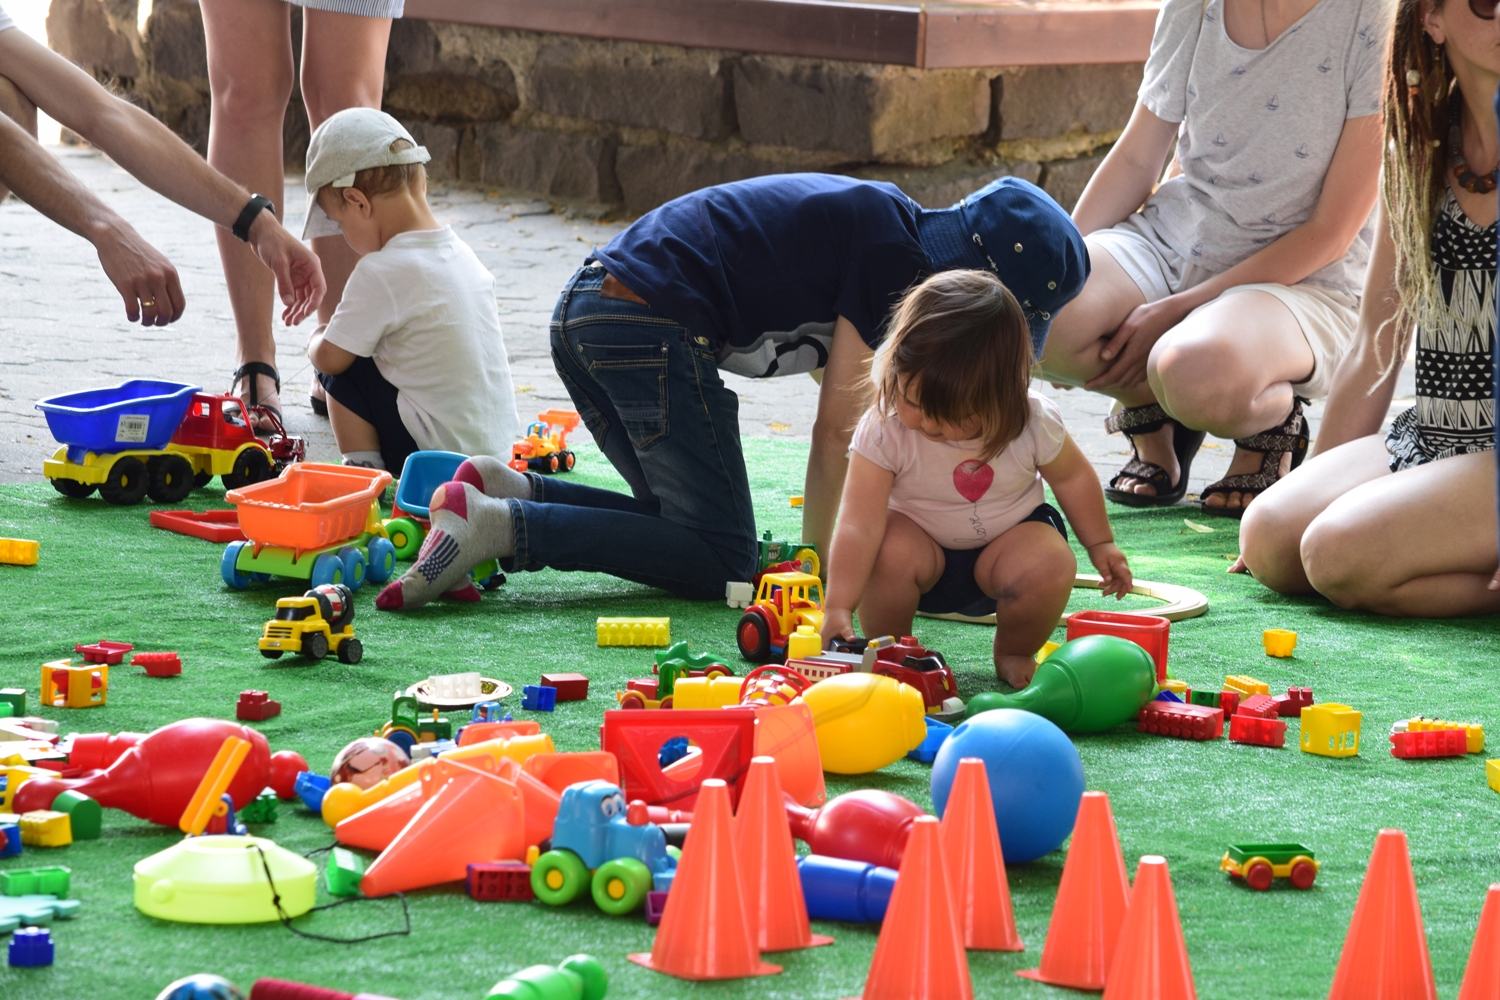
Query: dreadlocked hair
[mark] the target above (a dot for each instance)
(960, 347)
(1419, 91)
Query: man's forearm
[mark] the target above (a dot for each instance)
(42, 182)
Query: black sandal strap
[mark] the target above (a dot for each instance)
(1145, 471)
(1137, 420)
(251, 369)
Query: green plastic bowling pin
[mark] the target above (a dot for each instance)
(1086, 686)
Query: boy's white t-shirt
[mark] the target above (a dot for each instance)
(941, 485)
(423, 307)
(5, 20)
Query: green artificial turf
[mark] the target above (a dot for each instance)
(105, 573)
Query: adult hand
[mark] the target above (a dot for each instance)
(1131, 345)
(299, 275)
(144, 277)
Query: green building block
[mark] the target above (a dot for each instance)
(345, 869)
(1209, 698)
(261, 809)
(84, 815)
(52, 880)
(15, 699)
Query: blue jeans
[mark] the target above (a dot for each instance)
(650, 392)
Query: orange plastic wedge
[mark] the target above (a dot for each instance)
(920, 952)
(976, 868)
(374, 827)
(1385, 953)
(1482, 977)
(768, 862)
(1151, 960)
(1091, 902)
(540, 800)
(703, 932)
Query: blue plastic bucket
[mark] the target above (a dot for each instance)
(141, 414)
(422, 474)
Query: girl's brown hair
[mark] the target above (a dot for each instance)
(959, 347)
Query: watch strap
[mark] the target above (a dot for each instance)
(257, 204)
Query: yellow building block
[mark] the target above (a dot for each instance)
(1473, 731)
(1246, 685)
(1048, 648)
(1492, 772)
(67, 686)
(45, 828)
(1177, 687)
(1330, 730)
(635, 631)
(19, 551)
(803, 643)
(14, 777)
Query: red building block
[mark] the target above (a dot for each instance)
(1256, 730)
(1291, 704)
(644, 685)
(104, 651)
(499, 881)
(158, 664)
(256, 706)
(570, 687)
(1229, 703)
(1430, 743)
(1188, 722)
(1262, 706)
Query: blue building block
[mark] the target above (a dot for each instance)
(1168, 696)
(538, 698)
(851, 891)
(487, 711)
(10, 840)
(937, 734)
(672, 751)
(310, 788)
(31, 947)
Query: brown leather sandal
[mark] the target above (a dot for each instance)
(1291, 437)
(1133, 420)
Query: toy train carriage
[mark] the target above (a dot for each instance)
(1259, 864)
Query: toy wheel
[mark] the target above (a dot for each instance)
(72, 488)
(382, 561)
(666, 702)
(553, 464)
(171, 478)
(568, 460)
(1258, 874)
(354, 567)
(406, 536)
(327, 568)
(350, 651)
(1304, 872)
(126, 482)
(250, 466)
(620, 886)
(202, 479)
(717, 670)
(229, 568)
(632, 699)
(809, 561)
(558, 877)
(754, 637)
(271, 654)
(314, 646)
(403, 738)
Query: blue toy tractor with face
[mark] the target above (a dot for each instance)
(596, 847)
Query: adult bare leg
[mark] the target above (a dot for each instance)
(1419, 543)
(1228, 369)
(1271, 532)
(1029, 571)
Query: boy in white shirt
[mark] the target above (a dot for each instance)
(413, 359)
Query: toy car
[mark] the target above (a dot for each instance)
(407, 728)
(545, 446)
(600, 844)
(909, 662)
(1258, 864)
(774, 554)
(315, 623)
(782, 602)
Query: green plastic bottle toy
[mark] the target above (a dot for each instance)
(1086, 686)
(578, 977)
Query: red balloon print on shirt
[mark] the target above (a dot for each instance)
(973, 479)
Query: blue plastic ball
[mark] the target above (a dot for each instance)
(201, 987)
(1035, 773)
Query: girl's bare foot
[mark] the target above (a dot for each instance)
(1015, 670)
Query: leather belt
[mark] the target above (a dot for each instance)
(614, 288)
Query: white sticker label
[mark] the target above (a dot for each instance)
(132, 428)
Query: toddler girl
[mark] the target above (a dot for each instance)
(943, 509)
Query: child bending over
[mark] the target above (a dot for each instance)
(413, 357)
(943, 508)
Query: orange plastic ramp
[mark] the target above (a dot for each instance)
(559, 770)
(540, 802)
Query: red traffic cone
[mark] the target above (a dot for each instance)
(1151, 961)
(920, 952)
(1385, 953)
(976, 868)
(1091, 902)
(763, 846)
(1482, 977)
(703, 932)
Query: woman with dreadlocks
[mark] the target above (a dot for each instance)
(1403, 523)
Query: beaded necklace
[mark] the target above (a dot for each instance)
(1467, 179)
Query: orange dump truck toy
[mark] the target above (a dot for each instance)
(545, 446)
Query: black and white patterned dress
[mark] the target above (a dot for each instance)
(1455, 411)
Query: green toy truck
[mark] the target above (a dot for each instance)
(1259, 864)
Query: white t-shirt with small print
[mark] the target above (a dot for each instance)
(6, 21)
(960, 502)
(1259, 126)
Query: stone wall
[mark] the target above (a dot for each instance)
(633, 124)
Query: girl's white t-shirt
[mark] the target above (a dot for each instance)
(5, 20)
(959, 501)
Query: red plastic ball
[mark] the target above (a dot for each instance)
(285, 766)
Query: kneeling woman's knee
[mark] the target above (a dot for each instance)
(1340, 562)
(1270, 544)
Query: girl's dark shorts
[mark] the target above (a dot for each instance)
(956, 590)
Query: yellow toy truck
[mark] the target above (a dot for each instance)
(320, 620)
(782, 602)
(545, 446)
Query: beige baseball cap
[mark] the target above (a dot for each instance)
(352, 140)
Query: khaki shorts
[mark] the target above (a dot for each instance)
(1327, 317)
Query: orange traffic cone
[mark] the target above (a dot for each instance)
(976, 868)
(374, 827)
(472, 816)
(1482, 977)
(1151, 961)
(703, 932)
(920, 952)
(540, 799)
(1385, 953)
(763, 846)
(1091, 902)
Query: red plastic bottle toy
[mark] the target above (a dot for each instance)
(868, 825)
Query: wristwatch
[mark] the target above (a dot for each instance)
(257, 204)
